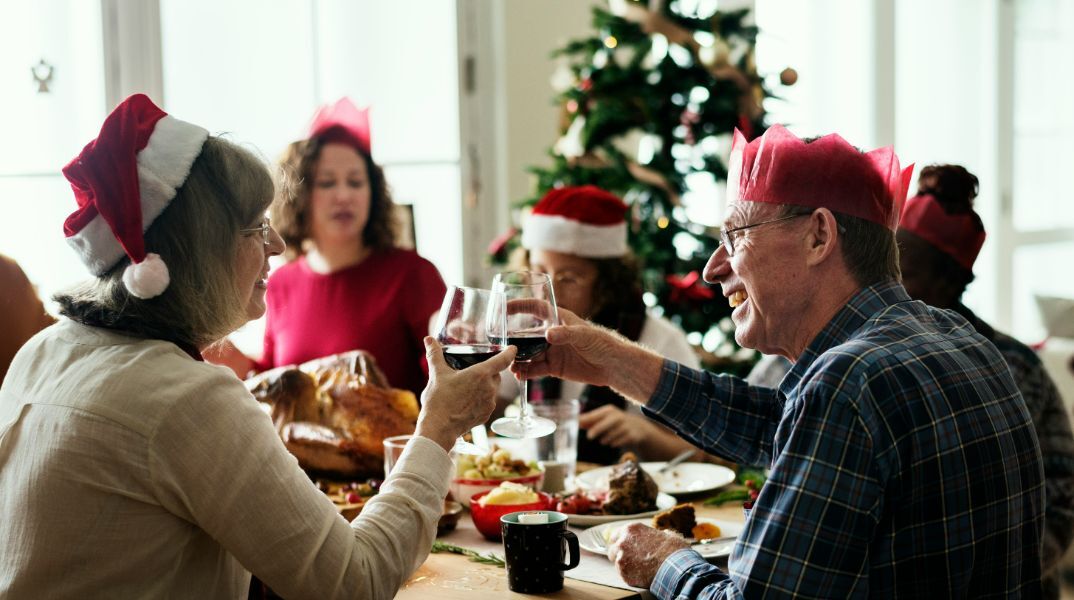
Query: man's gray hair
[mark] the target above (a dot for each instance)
(869, 249)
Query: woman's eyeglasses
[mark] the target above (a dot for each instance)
(264, 229)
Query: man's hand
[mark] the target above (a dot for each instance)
(613, 426)
(638, 551)
(454, 401)
(577, 350)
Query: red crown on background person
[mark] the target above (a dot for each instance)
(958, 235)
(345, 123)
(123, 181)
(780, 168)
(581, 220)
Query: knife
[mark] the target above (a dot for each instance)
(675, 461)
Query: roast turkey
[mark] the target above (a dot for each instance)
(334, 413)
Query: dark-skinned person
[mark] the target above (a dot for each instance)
(939, 238)
(903, 462)
(130, 468)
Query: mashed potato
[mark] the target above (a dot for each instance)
(509, 493)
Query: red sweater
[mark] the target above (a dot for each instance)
(381, 305)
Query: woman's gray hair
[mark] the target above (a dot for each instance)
(197, 235)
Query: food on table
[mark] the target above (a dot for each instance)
(334, 414)
(679, 518)
(630, 489)
(349, 497)
(509, 493)
(706, 531)
(497, 464)
(581, 502)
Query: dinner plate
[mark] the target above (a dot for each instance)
(663, 502)
(595, 539)
(687, 478)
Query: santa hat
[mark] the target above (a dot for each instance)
(828, 172)
(959, 235)
(344, 123)
(584, 221)
(123, 181)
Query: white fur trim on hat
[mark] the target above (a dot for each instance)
(147, 279)
(559, 234)
(163, 166)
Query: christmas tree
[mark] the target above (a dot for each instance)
(649, 105)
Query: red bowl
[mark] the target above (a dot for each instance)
(487, 518)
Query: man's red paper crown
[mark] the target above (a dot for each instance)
(345, 123)
(828, 172)
(581, 220)
(960, 236)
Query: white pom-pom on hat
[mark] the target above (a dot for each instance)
(147, 279)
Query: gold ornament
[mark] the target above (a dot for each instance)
(788, 76)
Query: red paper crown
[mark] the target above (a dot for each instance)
(780, 168)
(345, 123)
(585, 221)
(957, 235)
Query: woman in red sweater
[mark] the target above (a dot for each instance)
(347, 285)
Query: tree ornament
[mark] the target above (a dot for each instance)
(788, 76)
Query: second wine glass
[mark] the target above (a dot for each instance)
(471, 327)
(531, 310)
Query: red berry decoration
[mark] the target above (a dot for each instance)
(353, 498)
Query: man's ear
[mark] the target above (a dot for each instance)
(822, 237)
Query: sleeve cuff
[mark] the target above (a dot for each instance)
(659, 402)
(676, 567)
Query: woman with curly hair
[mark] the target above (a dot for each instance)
(347, 286)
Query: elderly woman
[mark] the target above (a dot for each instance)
(347, 285)
(129, 468)
(578, 236)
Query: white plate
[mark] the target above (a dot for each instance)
(663, 502)
(596, 538)
(687, 478)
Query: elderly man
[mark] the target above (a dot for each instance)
(903, 462)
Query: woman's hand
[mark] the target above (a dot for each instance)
(454, 401)
(613, 426)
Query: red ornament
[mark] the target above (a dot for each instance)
(585, 84)
(689, 288)
(572, 106)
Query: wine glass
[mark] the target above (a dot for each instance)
(531, 311)
(471, 327)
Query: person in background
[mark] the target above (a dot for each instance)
(347, 285)
(21, 312)
(903, 462)
(578, 236)
(129, 468)
(939, 238)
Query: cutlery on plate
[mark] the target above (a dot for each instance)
(675, 461)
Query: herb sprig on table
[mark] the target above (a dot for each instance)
(752, 479)
(486, 559)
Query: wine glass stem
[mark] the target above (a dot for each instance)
(524, 401)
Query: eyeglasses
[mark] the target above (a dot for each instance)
(728, 241)
(263, 229)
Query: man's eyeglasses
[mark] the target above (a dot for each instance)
(728, 241)
(263, 229)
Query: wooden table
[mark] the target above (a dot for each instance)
(450, 576)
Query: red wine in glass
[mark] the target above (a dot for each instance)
(529, 346)
(460, 356)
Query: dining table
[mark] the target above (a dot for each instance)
(453, 576)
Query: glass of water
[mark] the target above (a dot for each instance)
(558, 451)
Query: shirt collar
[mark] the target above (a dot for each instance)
(859, 309)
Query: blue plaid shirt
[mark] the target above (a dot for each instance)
(904, 463)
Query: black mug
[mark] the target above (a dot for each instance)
(535, 552)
